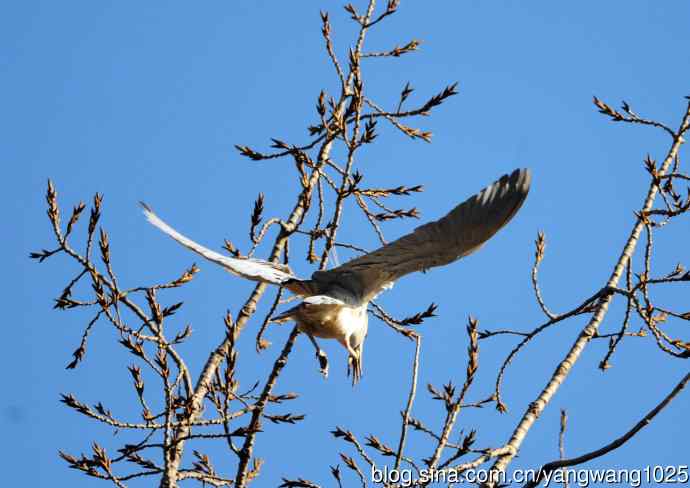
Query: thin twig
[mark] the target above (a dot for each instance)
(410, 401)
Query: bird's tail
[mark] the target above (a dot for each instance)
(285, 316)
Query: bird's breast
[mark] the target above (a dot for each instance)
(332, 321)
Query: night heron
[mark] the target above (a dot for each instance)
(335, 300)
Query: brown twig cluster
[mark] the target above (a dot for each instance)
(664, 181)
(215, 407)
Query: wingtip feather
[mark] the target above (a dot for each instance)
(154, 219)
(523, 179)
(145, 207)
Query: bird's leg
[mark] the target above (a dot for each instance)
(360, 358)
(354, 363)
(320, 355)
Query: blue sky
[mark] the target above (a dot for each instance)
(144, 101)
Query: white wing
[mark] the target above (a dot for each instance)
(252, 269)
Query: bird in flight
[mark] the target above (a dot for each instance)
(335, 301)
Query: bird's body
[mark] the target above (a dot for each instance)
(340, 322)
(336, 300)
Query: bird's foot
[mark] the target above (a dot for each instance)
(323, 362)
(354, 368)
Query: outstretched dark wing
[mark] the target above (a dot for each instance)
(461, 232)
(252, 269)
